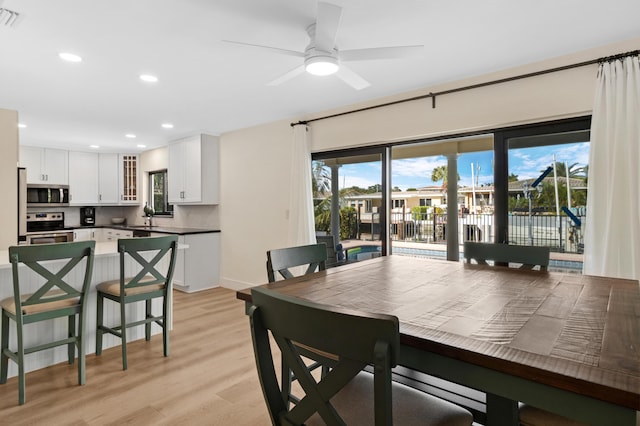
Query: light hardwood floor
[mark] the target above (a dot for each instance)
(209, 378)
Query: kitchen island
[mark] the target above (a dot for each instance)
(106, 267)
(197, 268)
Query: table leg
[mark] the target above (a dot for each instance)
(501, 411)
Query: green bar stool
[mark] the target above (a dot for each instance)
(54, 297)
(146, 281)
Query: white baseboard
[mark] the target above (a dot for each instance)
(235, 284)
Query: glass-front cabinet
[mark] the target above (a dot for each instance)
(128, 175)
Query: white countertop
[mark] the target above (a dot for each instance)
(107, 248)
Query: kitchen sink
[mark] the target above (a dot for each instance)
(140, 233)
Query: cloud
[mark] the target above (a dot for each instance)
(362, 175)
(528, 163)
(417, 167)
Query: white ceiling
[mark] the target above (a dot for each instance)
(206, 85)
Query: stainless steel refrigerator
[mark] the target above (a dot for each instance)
(22, 205)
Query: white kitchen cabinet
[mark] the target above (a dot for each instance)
(102, 179)
(83, 178)
(128, 178)
(198, 266)
(45, 165)
(97, 234)
(83, 234)
(119, 179)
(194, 173)
(114, 234)
(108, 179)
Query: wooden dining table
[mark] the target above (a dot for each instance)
(564, 342)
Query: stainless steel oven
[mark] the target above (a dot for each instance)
(47, 228)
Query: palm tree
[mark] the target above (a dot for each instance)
(439, 173)
(575, 172)
(320, 179)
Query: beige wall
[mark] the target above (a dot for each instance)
(255, 175)
(256, 161)
(9, 176)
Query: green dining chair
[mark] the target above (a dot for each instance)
(346, 394)
(502, 254)
(144, 276)
(57, 286)
(282, 261)
(333, 255)
(529, 257)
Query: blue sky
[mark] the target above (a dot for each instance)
(416, 172)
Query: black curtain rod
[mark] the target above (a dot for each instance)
(433, 95)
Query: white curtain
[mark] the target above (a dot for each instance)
(612, 235)
(301, 219)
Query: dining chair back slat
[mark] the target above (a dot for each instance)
(280, 261)
(502, 254)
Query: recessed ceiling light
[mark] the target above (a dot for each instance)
(94, 146)
(70, 57)
(130, 136)
(149, 78)
(141, 146)
(167, 125)
(22, 126)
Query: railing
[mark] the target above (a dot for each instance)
(557, 232)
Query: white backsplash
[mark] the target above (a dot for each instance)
(183, 216)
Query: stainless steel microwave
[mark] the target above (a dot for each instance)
(42, 195)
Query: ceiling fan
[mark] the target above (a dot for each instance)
(322, 57)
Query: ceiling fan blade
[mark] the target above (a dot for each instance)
(327, 23)
(351, 78)
(287, 76)
(395, 52)
(274, 49)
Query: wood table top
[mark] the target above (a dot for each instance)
(575, 332)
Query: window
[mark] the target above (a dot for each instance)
(547, 187)
(350, 201)
(522, 185)
(368, 206)
(158, 199)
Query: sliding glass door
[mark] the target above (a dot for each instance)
(442, 195)
(350, 201)
(545, 193)
(525, 185)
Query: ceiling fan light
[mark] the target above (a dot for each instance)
(321, 65)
